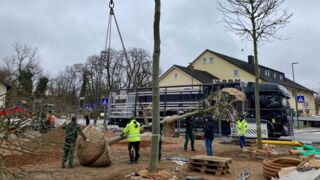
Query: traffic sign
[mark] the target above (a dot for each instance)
(95, 105)
(300, 99)
(87, 106)
(104, 101)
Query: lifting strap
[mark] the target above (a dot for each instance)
(107, 49)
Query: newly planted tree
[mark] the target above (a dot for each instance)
(258, 21)
(153, 166)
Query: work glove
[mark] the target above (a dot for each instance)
(122, 134)
(87, 140)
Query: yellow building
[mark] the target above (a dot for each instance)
(220, 66)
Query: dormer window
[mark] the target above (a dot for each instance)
(281, 77)
(275, 75)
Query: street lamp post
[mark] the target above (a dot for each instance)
(295, 95)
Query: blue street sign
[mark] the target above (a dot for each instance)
(104, 101)
(300, 99)
(87, 106)
(95, 105)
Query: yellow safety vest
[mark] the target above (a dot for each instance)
(133, 131)
(242, 127)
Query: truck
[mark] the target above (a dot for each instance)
(176, 100)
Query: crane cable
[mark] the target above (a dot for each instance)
(108, 39)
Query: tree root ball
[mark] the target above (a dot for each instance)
(169, 126)
(96, 152)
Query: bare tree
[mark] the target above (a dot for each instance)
(256, 20)
(22, 71)
(139, 70)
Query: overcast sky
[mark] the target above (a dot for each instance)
(68, 31)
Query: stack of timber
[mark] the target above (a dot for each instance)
(210, 164)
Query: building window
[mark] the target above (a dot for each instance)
(267, 72)
(204, 61)
(281, 77)
(275, 75)
(175, 75)
(292, 93)
(235, 72)
(211, 60)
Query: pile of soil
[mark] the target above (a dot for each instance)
(43, 157)
(54, 139)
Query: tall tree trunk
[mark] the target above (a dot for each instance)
(256, 93)
(153, 165)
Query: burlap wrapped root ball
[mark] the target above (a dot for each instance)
(169, 125)
(96, 152)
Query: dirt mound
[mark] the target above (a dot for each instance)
(54, 139)
(38, 157)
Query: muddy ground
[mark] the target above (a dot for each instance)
(47, 163)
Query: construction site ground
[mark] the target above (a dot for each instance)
(47, 162)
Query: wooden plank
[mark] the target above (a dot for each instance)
(212, 158)
(208, 162)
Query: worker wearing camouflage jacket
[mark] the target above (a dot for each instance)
(132, 131)
(72, 130)
(242, 130)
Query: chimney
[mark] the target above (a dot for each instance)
(250, 59)
(190, 67)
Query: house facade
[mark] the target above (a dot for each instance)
(224, 67)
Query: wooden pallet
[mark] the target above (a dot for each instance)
(210, 164)
(206, 170)
(211, 160)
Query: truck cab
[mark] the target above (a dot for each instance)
(274, 108)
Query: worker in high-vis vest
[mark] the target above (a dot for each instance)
(242, 130)
(132, 131)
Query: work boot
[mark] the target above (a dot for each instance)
(63, 166)
(70, 166)
(194, 150)
(131, 162)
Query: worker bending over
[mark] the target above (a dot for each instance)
(132, 131)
